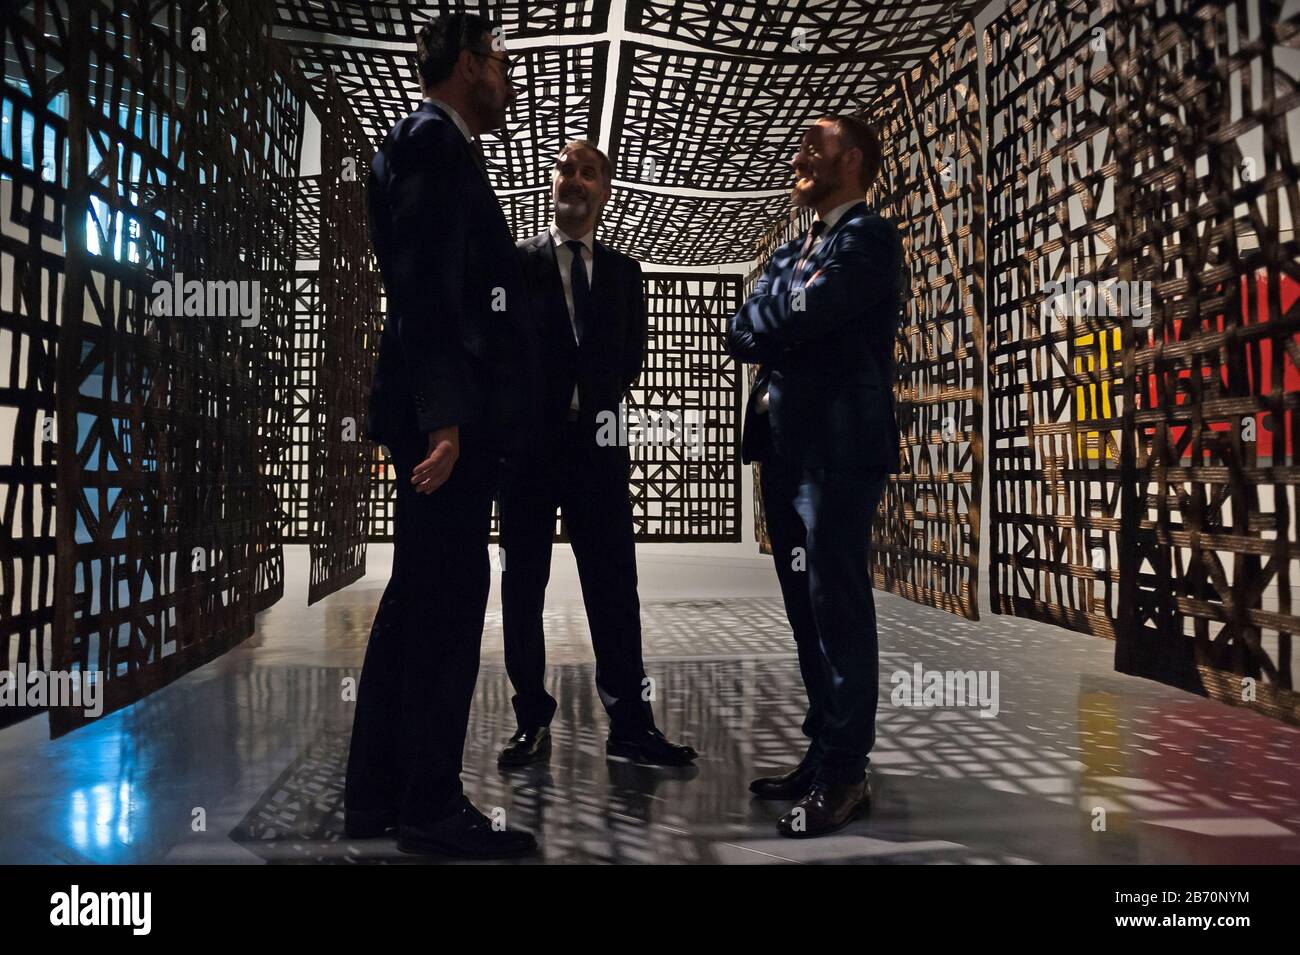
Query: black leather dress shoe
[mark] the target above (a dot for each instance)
(650, 747)
(526, 746)
(368, 825)
(788, 786)
(465, 834)
(825, 809)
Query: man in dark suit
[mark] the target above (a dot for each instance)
(820, 323)
(453, 389)
(589, 308)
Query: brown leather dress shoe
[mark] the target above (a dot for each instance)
(825, 809)
(788, 786)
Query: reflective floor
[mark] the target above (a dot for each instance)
(242, 761)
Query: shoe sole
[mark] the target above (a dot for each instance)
(854, 816)
(423, 848)
(634, 755)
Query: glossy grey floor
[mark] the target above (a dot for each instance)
(242, 761)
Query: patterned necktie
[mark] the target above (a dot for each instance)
(817, 229)
(580, 288)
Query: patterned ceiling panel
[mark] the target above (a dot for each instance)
(724, 122)
(398, 19)
(666, 229)
(557, 86)
(710, 97)
(893, 31)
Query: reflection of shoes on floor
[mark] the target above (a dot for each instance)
(788, 786)
(368, 825)
(526, 746)
(465, 834)
(651, 747)
(825, 809)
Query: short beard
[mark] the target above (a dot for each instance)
(564, 209)
(821, 188)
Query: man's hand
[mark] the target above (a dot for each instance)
(444, 448)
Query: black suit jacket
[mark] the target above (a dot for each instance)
(608, 360)
(827, 360)
(457, 345)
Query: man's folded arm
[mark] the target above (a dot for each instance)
(429, 228)
(741, 343)
(862, 276)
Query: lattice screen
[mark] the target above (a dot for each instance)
(683, 418)
(172, 428)
(351, 322)
(1054, 369)
(688, 489)
(925, 541)
(33, 103)
(1208, 214)
(308, 349)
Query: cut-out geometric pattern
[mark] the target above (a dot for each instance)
(666, 229)
(561, 90)
(895, 33)
(1054, 366)
(1210, 200)
(173, 421)
(351, 321)
(686, 477)
(926, 537)
(33, 157)
(402, 19)
(303, 395)
(725, 123)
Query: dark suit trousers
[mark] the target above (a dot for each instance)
(421, 664)
(819, 521)
(589, 485)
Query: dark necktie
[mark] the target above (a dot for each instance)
(817, 229)
(581, 289)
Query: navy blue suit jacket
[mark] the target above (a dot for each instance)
(828, 367)
(612, 351)
(457, 346)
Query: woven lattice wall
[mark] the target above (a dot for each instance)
(926, 538)
(172, 403)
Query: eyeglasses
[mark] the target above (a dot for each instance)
(507, 65)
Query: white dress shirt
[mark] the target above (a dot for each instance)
(455, 117)
(564, 261)
(832, 217)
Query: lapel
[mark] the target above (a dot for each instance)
(820, 253)
(603, 284)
